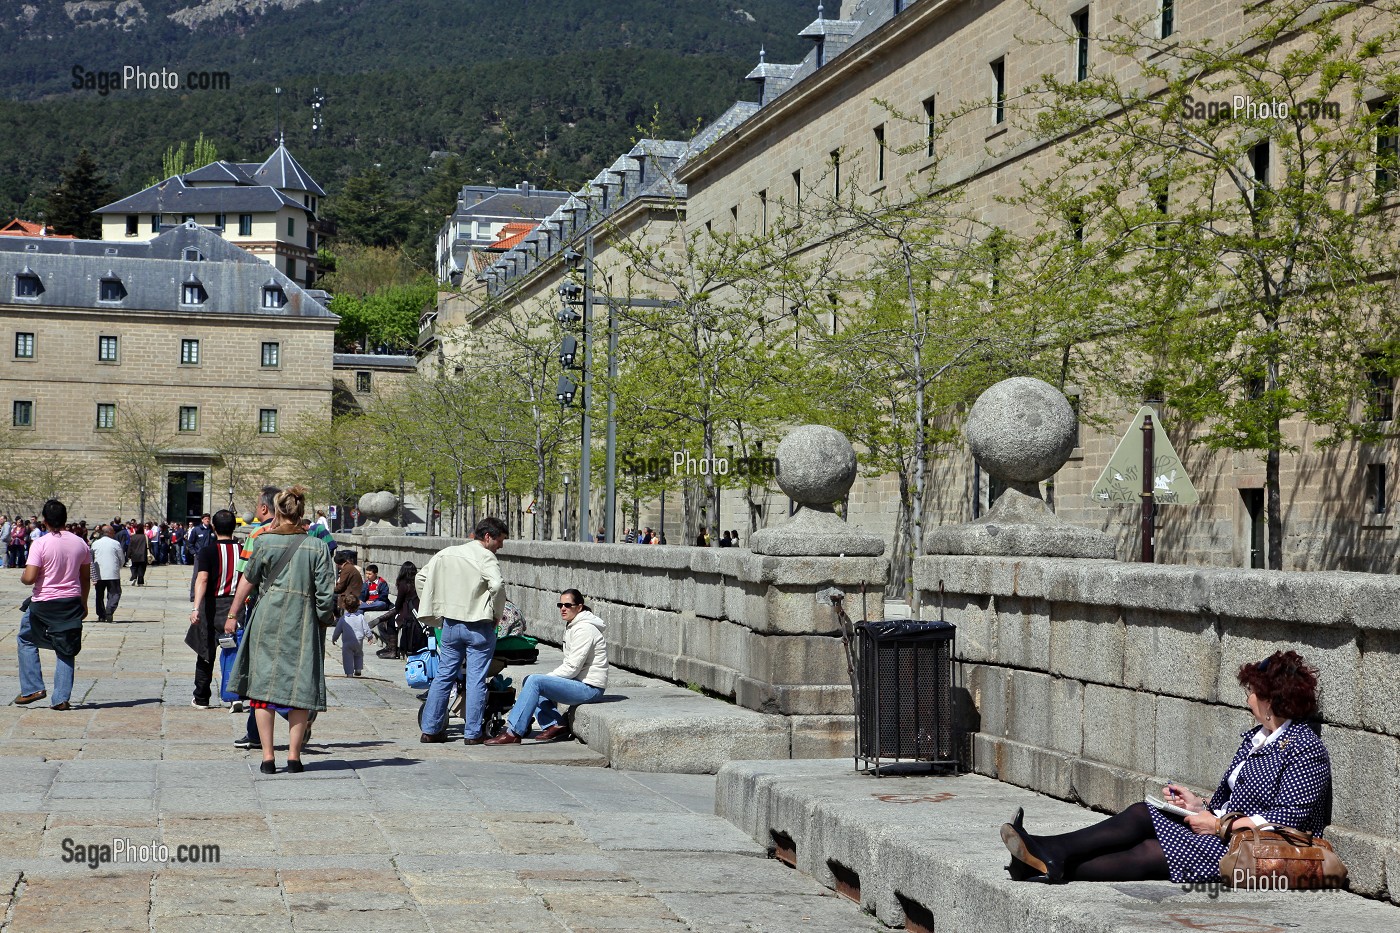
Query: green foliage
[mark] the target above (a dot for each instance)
(367, 213)
(1251, 300)
(385, 320)
(81, 189)
(180, 161)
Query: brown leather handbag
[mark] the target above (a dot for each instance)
(1281, 859)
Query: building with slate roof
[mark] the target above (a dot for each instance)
(185, 328)
(268, 208)
(478, 219)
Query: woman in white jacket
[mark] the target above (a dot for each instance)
(580, 679)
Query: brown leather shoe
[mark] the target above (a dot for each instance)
(432, 738)
(505, 738)
(63, 707)
(553, 733)
(28, 698)
(479, 740)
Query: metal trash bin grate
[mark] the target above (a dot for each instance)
(903, 687)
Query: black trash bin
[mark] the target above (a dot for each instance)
(904, 693)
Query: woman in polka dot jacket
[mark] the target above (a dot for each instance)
(1281, 775)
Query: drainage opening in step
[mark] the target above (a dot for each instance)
(917, 917)
(783, 848)
(847, 881)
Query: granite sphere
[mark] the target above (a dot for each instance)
(1021, 430)
(816, 465)
(376, 506)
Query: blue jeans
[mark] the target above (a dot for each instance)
(31, 673)
(474, 642)
(537, 698)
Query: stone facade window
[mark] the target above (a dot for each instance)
(1080, 21)
(189, 418)
(363, 382)
(267, 421)
(271, 355)
(999, 91)
(1376, 488)
(1168, 17)
(1387, 144)
(106, 416)
(107, 349)
(24, 346)
(22, 414)
(189, 352)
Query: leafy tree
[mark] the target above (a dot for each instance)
(386, 319)
(236, 440)
(181, 161)
(81, 189)
(134, 447)
(1259, 242)
(367, 212)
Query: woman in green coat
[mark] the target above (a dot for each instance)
(280, 660)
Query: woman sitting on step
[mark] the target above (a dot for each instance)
(580, 679)
(1281, 775)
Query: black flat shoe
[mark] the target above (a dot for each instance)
(294, 767)
(1026, 849)
(268, 767)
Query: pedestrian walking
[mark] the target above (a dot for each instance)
(107, 560)
(215, 582)
(280, 661)
(352, 631)
(139, 551)
(462, 587)
(59, 567)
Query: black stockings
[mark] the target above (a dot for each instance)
(1121, 848)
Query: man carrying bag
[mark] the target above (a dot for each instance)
(59, 568)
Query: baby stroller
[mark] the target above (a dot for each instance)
(512, 647)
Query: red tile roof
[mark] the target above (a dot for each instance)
(510, 235)
(19, 227)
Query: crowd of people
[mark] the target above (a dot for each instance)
(272, 598)
(165, 542)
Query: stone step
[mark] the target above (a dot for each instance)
(924, 852)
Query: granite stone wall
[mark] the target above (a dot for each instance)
(739, 625)
(1098, 681)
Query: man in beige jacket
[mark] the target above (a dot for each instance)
(461, 587)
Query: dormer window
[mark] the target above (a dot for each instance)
(192, 292)
(193, 255)
(27, 285)
(111, 289)
(273, 296)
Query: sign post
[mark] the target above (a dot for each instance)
(1148, 472)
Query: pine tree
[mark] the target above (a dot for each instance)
(81, 189)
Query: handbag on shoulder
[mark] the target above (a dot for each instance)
(1281, 859)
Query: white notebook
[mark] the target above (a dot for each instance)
(1167, 807)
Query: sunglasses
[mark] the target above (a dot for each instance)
(566, 605)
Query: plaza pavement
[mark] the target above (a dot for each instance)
(379, 833)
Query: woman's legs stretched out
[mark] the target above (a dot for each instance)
(1123, 847)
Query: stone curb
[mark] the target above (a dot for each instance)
(925, 853)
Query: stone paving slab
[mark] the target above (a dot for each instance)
(379, 833)
(931, 845)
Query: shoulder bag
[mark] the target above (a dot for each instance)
(1280, 859)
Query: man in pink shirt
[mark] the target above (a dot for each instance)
(59, 569)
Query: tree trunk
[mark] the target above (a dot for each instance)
(1275, 503)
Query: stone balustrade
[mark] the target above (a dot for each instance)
(742, 626)
(1097, 681)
